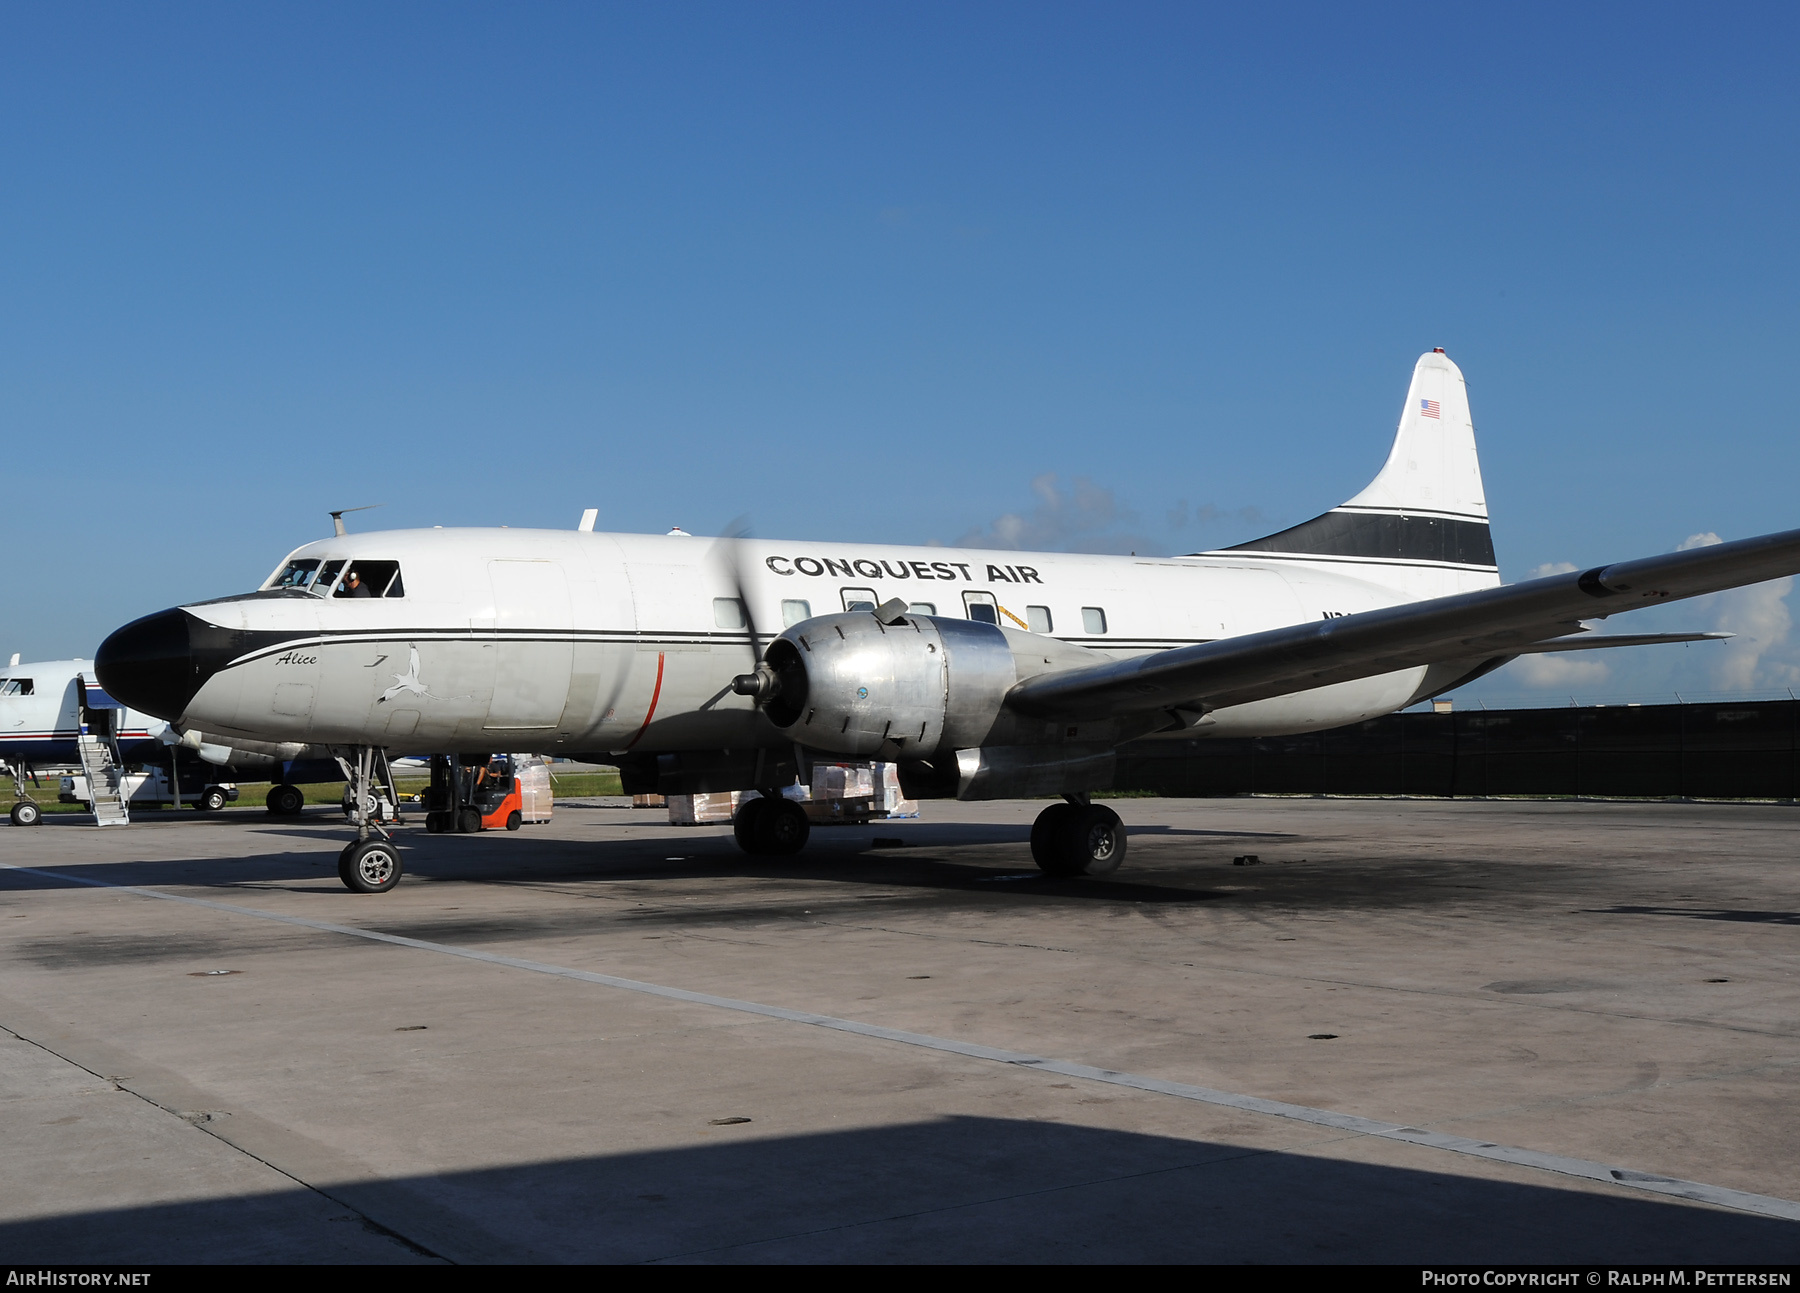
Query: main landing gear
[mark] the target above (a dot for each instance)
(24, 813)
(285, 800)
(370, 863)
(1078, 838)
(771, 826)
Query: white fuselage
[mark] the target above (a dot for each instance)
(551, 640)
(40, 716)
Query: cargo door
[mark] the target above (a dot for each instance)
(533, 652)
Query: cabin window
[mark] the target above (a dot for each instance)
(859, 599)
(372, 579)
(921, 608)
(1093, 619)
(296, 574)
(728, 613)
(793, 610)
(1039, 620)
(15, 687)
(328, 574)
(981, 608)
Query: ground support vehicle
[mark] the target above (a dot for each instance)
(478, 792)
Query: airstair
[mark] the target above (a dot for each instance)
(105, 780)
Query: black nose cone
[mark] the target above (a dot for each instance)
(149, 665)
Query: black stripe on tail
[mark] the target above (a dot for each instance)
(1384, 535)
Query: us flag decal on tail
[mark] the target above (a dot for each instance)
(1428, 409)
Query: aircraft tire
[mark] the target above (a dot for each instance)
(743, 825)
(369, 866)
(26, 813)
(468, 822)
(782, 829)
(1099, 843)
(514, 820)
(285, 800)
(1051, 837)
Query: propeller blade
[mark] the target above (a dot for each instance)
(760, 683)
(337, 517)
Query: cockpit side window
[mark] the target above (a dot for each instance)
(296, 574)
(372, 579)
(15, 687)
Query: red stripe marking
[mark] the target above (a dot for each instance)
(655, 696)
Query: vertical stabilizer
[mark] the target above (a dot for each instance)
(1426, 510)
(1432, 467)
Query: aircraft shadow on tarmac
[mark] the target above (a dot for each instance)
(951, 867)
(1705, 913)
(954, 1189)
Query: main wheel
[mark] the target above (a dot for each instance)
(1100, 843)
(211, 800)
(1069, 840)
(1049, 835)
(25, 813)
(369, 866)
(782, 829)
(468, 821)
(514, 820)
(286, 801)
(743, 826)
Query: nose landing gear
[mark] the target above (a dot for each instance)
(370, 863)
(1078, 838)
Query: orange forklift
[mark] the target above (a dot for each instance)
(485, 792)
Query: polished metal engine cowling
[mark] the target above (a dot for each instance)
(850, 684)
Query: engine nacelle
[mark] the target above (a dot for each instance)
(850, 684)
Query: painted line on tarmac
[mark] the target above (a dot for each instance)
(1694, 1191)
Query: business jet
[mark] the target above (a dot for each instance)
(43, 706)
(982, 674)
(47, 706)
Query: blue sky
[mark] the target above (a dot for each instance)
(1148, 276)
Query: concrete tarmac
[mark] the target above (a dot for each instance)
(245, 1078)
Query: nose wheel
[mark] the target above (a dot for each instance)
(369, 866)
(1078, 839)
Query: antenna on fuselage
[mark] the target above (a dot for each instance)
(337, 517)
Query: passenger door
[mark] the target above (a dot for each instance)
(533, 651)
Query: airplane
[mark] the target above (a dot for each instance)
(982, 674)
(46, 705)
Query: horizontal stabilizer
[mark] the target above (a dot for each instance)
(1483, 625)
(1592, 641)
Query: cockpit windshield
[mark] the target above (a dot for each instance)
(297, 574)
(361, 578)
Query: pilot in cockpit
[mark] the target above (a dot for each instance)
(354, 586)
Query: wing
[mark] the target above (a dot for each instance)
(1469, 626)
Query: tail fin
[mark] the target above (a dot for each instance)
(1425, 511)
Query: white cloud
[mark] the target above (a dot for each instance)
(1554, 568)
(1086, 514)
(1557, 669)
(1759, 615)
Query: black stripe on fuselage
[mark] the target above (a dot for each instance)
(1402, 536)
(627, 637)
